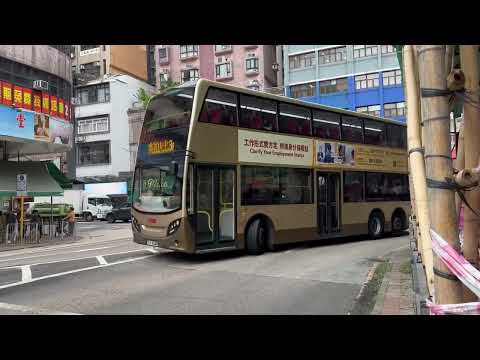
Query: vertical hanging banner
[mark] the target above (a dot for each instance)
(53, 105)
(27, 99)
(61, 108)
(45, 103)
(37, 101)
(7, 93)
(17, 96)
(1, 92)
(67, 111)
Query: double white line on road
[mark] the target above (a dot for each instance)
(27, 274)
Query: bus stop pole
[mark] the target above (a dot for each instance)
(21, 218)
(51, 216)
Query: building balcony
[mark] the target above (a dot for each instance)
(222, 49)
(252, 72)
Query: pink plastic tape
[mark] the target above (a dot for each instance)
(454, 309)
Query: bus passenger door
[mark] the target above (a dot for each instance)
(328, 202)
(215, 222)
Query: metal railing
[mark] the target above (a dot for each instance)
(12, 235)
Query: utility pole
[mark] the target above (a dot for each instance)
(438, 161)
(471, 128)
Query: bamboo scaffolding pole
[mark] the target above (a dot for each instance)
(438, 160)
(449, 59)
(471, 125)
(417, 165)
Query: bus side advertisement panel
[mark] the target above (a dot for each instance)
(256, 147)
(343, 155)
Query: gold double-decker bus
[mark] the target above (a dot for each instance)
(221, 167)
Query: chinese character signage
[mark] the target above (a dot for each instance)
(53, 105)
(16, 123)
(17, 96)
(336, 154)
(27, 99)
(67, 111)
(61, 108)
(7, 93)
(37, 101)
(259, 147)
(45, 103)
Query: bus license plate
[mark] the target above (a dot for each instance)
(152, 243)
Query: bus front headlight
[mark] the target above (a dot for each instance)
(173, 227)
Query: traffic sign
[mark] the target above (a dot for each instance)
(21, 184)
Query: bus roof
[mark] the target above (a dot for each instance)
(209, 83)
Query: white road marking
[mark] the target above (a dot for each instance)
(26, 273)
(101, 260)
(56, 247)
(73, 259)
(36, 311)
(91, 249)
(55, 253)
(74, 271)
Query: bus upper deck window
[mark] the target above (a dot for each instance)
(256, 113)
(294, 119)
(326, 125)
(220, 107)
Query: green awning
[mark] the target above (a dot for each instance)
(62, 180)
(39, 180)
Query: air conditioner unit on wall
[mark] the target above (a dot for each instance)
(82, 67)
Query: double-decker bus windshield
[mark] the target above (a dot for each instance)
(161, 152)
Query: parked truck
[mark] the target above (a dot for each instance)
(86, 205)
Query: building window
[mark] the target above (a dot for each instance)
(93, 153)
(391, 78)
(93, 94)
(256, 113)
(396, 136)
(326, 125)
(302, 90)
(302, 60)
(387, 49)
(370, 110)
(352, 186)
(220, 107)
(360, 51)
(189, 75)
(352, 129)
(223, 70)
(187, 51)
(375, 132)
(268, 185)
(294, 119)
(333, 86)
(222, 48)
(163, 78)
(91, 69)
(251, 64)
(394, 110)
(163, 55)
(334, 55)
(93, 125)
(367, 81)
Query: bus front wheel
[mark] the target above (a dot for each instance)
(376, 225)
(256, 237)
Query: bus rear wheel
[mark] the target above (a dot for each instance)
(376, 225)
(398, 222)
(256, 237)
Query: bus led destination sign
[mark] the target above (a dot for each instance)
(161, 147)
(274, 149)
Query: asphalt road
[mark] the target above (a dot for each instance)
(119, 277)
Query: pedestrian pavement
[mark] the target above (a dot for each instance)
(396, 295)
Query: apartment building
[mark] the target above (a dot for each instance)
(102, 128)
(363, 78)
(252, 66)
(92, 62)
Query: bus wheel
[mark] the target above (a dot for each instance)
(398, 221)
(88, 217)
(256, 237)
(376, 224)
